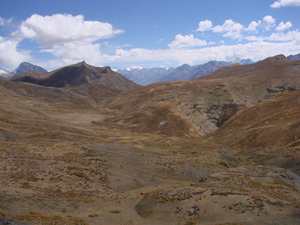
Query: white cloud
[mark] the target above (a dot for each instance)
(230, 28)
(282, 3)
(73, 52)
(252, 27)
(63, 28)
(1, 21)
(289, 36)
(10, 57)
(284, 26)
(256, 50)
(186, 41)
(204, 25)
(228, 25)
(268, 22)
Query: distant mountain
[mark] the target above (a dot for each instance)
(4, 73)
(186, 72)
(145, 76)
(245, 61)
(26, 66)
(183, 72)
(179, 73)
(294, 57)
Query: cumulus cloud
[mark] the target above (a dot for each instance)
(284, 26)
(204, 25)
(186, 41)
(252, 27)
(10, 57)
(292, 36)
(63, 28)
(73, 52)
(230, 29)
(268, 22)
(289, 36)
(282, 3)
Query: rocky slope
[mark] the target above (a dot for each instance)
(273, 122)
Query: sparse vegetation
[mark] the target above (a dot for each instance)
(191, 222)
(147, 157)
(115, 211)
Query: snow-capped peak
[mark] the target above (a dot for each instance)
(134, 68)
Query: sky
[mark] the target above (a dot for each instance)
(145, 33)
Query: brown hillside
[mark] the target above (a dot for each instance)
(273, 122)
(49, 94)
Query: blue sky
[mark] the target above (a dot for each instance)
(147, 33)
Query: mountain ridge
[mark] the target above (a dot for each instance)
(76, 75)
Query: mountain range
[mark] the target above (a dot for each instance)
(294, 57)
(145, 76)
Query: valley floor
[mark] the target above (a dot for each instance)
(59, 167)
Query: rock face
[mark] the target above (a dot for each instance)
(274, 121)
(25, 67)
(207, 102)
